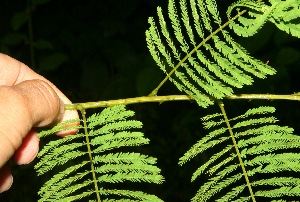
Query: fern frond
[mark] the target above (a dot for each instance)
(251, 122)
(259, 110)
(58, 143)
(211, 116)
(64, 187)
(283, 191)
(212, 188)
(125, 158)
(234, 192)
(210, 124)
(209, 72)
(121, 139)
(284, 14)
(265, 149)
(204, 144)
(109, 115)
(62, 175)
(52, 160)
(68, 190)
(127, 168)
(77, 197)
(85, 159)
(116, 126)
(130, 176)
(67, 125)
(203, 167)
(278, 181)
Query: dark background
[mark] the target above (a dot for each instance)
(96, 50)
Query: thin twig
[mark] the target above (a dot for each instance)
(168, 98)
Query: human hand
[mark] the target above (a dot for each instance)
(27, 100)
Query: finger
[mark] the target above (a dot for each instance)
(13, 72)
(28, 150)
(28, 104)
(42, 102)
(6, 178)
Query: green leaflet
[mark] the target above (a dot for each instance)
(285, 14)
(265, 150)
(198, 55)
(86, 162)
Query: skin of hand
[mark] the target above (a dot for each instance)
(27, 101)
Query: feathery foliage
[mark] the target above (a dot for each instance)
(201, 58)
(248, 151)
(284, 14)
(209, 72)
(94, 159)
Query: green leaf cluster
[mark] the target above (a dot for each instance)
(263, 148)
(97, 157)
(284, 14)
(207, 73)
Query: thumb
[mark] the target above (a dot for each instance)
(23, 106)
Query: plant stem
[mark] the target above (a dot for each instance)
(167, 98)
(82, 110)
(294, 96)
(221, 105)
(154, 92)
(127, 101)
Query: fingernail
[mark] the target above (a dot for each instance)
(32, 149)
(5, 182)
